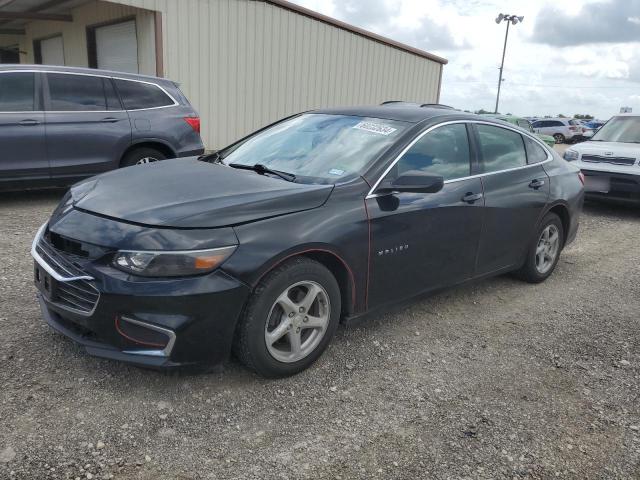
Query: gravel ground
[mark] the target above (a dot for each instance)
(497, 379)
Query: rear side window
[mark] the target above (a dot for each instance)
(501, 149)
(557, 124)
(80, 93)
(443, 151)
(17, 92)
(138, 96)
(535, 153)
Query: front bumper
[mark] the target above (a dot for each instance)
(620, 187)
(196, 315)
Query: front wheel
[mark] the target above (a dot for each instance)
(544, 252)
(289, 319)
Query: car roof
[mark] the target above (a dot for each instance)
(90, 71)
(402, 112)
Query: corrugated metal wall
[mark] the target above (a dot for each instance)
(74, 33)
(246, 63)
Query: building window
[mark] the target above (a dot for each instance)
(10, 54)
(113, 46)
(49, 51)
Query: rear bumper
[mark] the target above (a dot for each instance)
(623, 187)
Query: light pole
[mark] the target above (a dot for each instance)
(509, 19)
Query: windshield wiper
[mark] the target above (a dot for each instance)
(261, 169)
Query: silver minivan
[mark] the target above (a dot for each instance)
(61, 124)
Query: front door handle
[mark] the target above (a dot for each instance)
(536, 184)
(471, 197)
(29, 122)
(109, 120)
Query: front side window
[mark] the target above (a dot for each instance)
(501, 149)
(77, 93)
(619, 129)
(323, 148)
(539, 124)
(139, 96)
(443, 151)
(535, 153)
(525, 124)
(17, 92)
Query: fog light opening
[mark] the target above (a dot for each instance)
(143, 334)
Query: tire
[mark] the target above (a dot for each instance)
(139, 155)
(534, 270)
(277, 303)
(559, 137)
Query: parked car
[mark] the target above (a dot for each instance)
(523, 123)
(267, 244)
(610, 160)
(60, 124)
(590, 128)
(562, 129)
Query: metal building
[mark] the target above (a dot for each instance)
(242, 63)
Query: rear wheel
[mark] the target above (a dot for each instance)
(559, 138)
(141, 156)
(289, 320)
(544, 252)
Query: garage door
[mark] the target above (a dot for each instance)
(117, 47)
(52, 51)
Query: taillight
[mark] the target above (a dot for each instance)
(581, 177)
(194, 122)
(573, 129)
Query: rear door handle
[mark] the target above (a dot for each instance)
(109, 120)
(536, 184)
(472, 197)
(29, 122)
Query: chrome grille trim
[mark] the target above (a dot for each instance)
(74, 292)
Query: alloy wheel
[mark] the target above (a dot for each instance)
(547, 249)
(297, 321)
(146, 160)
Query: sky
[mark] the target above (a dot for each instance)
(567, 57)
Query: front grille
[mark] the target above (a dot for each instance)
(611, 160)
(76, 295)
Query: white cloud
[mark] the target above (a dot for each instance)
(592, 75)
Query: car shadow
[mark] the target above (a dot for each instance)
(624, 211)
(32, 196)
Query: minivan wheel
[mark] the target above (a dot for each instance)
(559, 137)
(140, 156)
(544, 252)
(289, 319)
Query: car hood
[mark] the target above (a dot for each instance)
(187, 193)
(616, 149)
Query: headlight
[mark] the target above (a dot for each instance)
(171, 264)
(571, 155)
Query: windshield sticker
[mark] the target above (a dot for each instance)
(378, 128)
(336, 171)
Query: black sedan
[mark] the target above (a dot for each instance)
(262, 248)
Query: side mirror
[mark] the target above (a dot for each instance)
(413, 183)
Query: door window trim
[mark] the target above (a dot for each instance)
(171, 97)
(517, 130)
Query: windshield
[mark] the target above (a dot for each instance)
(619, 129)
(318, 147)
